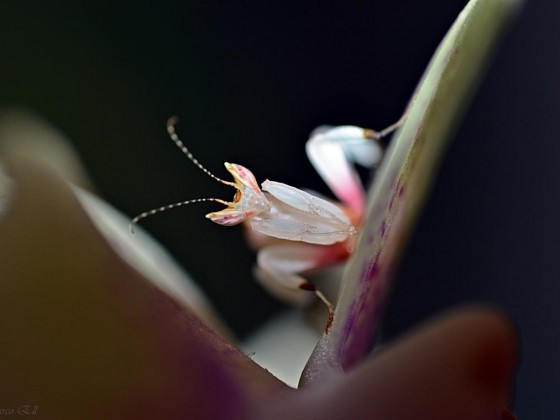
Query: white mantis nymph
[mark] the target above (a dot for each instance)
(296, 230)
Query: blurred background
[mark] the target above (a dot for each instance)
(251, 79)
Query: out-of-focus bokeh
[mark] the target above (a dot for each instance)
(250, 80)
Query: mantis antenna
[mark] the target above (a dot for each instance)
(171, 122)
(169, 207)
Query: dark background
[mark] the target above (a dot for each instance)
(250, 79)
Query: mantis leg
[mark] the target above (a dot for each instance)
(334, 150)
(279, 268)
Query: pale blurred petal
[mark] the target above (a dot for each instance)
(28, 134)
(6, 191)
(147, 256)
(283, 345)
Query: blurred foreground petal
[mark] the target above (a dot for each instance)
(86, 336)
(459, 366)
(149, 258)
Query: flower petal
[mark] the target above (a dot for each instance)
(403, 180)
(457, 367)
(88, 334)
(28, 134)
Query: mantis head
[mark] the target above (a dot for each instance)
(248, 201)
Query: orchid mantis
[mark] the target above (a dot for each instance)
(296, 230)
